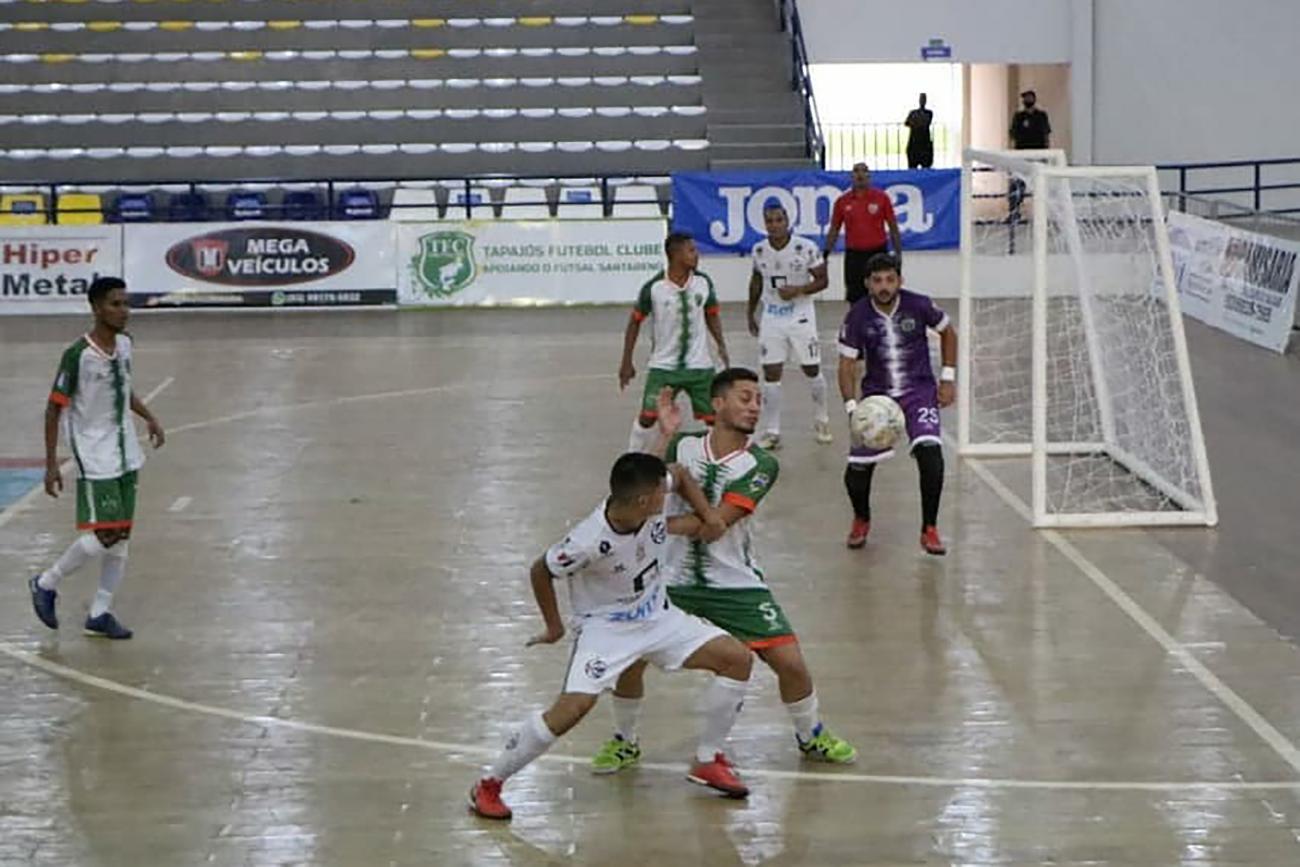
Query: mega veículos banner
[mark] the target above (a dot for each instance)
(47, 269)
(526, 262)
(1240, 282)
(325, 264)
(724, 210)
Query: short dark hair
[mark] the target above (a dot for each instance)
(774, 205)
(101, 286)
(723, 382)
(634, 474)
(1024, 93)
(883, 262)
(675, 240)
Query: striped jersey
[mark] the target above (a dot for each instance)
(894, 346)
(742, 478)
(680, 340)
(94, 388)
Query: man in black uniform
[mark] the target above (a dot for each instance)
(1030, 128)
(920, 145)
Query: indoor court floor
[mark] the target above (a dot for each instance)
(328, 584)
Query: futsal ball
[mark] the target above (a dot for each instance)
(878, 422)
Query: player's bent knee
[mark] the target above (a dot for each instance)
(568, 711)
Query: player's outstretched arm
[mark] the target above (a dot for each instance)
(626, 372)
(713, 322)
(709, 522)
(544, 592)
(156, 434)
(948, 376)
(755, 292)
(53, 478)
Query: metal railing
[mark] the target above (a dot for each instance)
(884, 145)
(1271, 185)
(801, 81)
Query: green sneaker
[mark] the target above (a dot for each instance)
(615, 755)
(826, 747)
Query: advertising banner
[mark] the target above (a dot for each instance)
(526, 262)
(47, 269)
(724, 210)
(260, 264)
(1239, 282)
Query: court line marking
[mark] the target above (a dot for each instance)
(479, 751)
(181, 504)
(20, 505)
(1210, 681)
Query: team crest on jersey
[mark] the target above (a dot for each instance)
(907, 324)
(759, 482)
(445, 264)
(659, 532)
(873, 208)
(605, 546)
(595, 668)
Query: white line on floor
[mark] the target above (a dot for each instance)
(458, 752)
(1208, 679)
(17, 506)
(180, 504)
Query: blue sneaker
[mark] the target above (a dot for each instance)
(43, 602)
(106, 626)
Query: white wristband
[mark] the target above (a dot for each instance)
(948, 374)
(849, 406)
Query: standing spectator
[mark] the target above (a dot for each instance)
(920, 145)
(865, 213)
(1030, 128)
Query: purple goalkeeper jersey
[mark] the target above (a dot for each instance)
(895, 347)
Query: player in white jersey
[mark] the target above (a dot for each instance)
(94, 386)
(788, 272)
(720, 579)
(683, 309)
(613, 561)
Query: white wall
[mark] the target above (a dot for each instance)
(1189, 80)
(1152, 81)
(987, 31)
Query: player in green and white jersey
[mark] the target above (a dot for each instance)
(683, 309)
(93, 386)
(719, 578)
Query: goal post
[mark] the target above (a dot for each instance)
(1073, 352)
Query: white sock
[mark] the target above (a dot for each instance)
(627, 713)
(641, 437)
(804, 715)
(110, 577)
(74, 558)
(720, 706)
(525, 744)
(817, 387)
(772, 407)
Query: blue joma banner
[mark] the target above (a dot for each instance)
(724, 210)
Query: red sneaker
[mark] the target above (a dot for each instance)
(858, 533)
(931, 542)
(485, 799)
(718, 774)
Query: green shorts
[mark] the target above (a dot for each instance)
(751, 614)
(695, 382)
(106, 504)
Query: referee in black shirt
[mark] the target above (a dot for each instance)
(1030, 128)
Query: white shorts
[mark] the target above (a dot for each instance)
(793, 337)
(603, 650)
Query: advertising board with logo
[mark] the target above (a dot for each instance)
(1240, 282)
(541, 262)
(47, 269)
(724, 210)
(260, 264)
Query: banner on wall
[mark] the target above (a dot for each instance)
(1239, 282)
(47, 269)
(325, 264)
(724, 210)
(526, 262)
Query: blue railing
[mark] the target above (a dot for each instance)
(801, 81)
(1271, 185)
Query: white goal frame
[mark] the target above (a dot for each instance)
(1042, 165)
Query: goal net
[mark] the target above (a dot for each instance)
(1072, 350)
